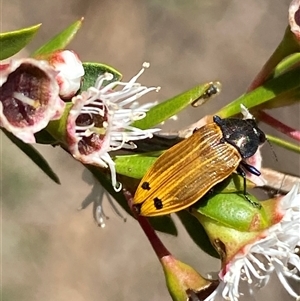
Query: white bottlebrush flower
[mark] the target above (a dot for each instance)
(273, 252)
(100, 121)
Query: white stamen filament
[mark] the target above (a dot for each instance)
(102, 78)
(84, 127)
(26, 100)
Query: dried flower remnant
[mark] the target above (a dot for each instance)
(29, 97)
(99, 121)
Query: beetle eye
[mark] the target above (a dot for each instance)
(261, 136)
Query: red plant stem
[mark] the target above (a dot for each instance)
(278, 125)
(154, 240)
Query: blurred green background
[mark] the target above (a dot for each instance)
(50, 251)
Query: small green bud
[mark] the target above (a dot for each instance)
(183, 282)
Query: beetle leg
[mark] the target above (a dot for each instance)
(240, 170)
(195, 130)
(192, 295)
(242, 173)
(251, 168)
(137, 208)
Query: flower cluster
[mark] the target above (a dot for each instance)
(99, 121)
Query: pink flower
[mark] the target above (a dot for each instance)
(29, 97)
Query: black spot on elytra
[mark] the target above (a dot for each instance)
(146, 186)
(158, 203)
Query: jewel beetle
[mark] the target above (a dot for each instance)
(188, 170)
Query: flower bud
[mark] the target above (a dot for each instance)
(70, 72)
(29, 97)
(183, 282)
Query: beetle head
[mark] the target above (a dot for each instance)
(243, 134)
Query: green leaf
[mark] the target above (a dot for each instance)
(34, 155)
(275, 90)
(288, 63)
(234, 183)
(282, 100)
(135, 166)
(60, 41)
(197, 233)
(43, 137)
(57, 128)
(174, 105)
(233, 210)
(283, 143)
(93, 70)
(163, 224)
(12, 42)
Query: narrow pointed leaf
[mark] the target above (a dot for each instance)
(272, 89)
(14, 41)
(43, 137)
(60, 41)
(233, 210)
(282, 100)
(93, 70)
(135, 166)
(288, 63)
(174, 105)
(34, 155)
(285, 144)
(159, 142)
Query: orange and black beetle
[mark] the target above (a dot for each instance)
(187, 171)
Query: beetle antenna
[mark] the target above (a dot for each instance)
(272, 148)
